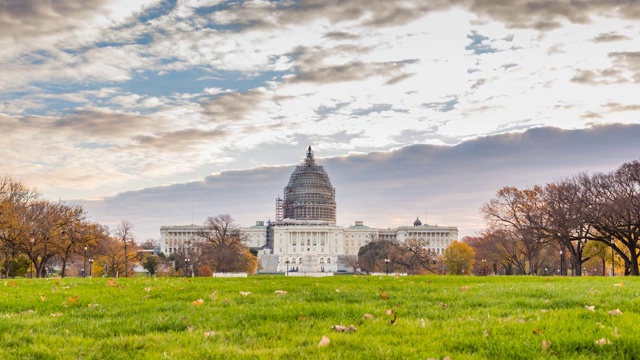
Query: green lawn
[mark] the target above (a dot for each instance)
(435, 317)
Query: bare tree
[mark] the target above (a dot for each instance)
(225, 247)
(124, 233)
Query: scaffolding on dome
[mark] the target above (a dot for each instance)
(309, 194)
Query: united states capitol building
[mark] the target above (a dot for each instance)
(304, 233)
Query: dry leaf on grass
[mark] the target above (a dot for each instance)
(537, 331)
(212, 296)
(10, 283)
(615, 312)
(342, 328)
(111, 282)
(209, 333)
(546, 344)
(602, 342)
(93, 305)
(147, 289)
(464, 288)
(620, 284)
(56, 314)
(590, 308)
(389, 312)
(485, 333)
(324, 342)
(198, 302)
(245, 293)
(369, 316)
(42, 298)
(422, 323)
(280, 292)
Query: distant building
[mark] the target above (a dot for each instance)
(305, 228)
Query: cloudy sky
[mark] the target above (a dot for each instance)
(164, 112)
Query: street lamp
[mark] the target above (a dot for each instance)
(561, 263)
(186, 266)
(31, 253)
(90, 267)
(84, 265)
(387, 261)
(484, 266)
(287, 262)
(545, 271)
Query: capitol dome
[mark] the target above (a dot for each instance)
(309, 194)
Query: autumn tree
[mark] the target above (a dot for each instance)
(15, 199)
(521, 214)
(458, 258)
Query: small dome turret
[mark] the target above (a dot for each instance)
(417, 222)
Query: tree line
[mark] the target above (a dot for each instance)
(563, 225)
(36, 234)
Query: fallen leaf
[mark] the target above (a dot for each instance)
(42, 298)
(337, 290)
(546, 344)
(485, 333)
(537, 331)
(590, 308)
(615, 312)
(209, 333)
(53, 289)
(111, 282)
(620, 284)
(443, 305)
(93, 305)
(10, 283)
(389, 312)
(190, 328)
(422, 323)
(280, 292)
(602, 342)
(212, 296)
(56, 314)
(245, 293)
(600, 325)
(147, 289)
(324, 342)
(464, 288)
(342, 328)
(339, 328)
(369, 316)
(198, 302)
(615, 332)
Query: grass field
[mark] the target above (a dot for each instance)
(435, 317)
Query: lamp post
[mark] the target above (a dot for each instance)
(90, 267)
(287, 262)
(484, 266)
(84, 264)
(561, 263)
(545, 271)
(31, 253)
(186, 266)
(387, 261)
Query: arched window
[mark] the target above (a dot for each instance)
(321, 261)
(328, 260)
(300, 261)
